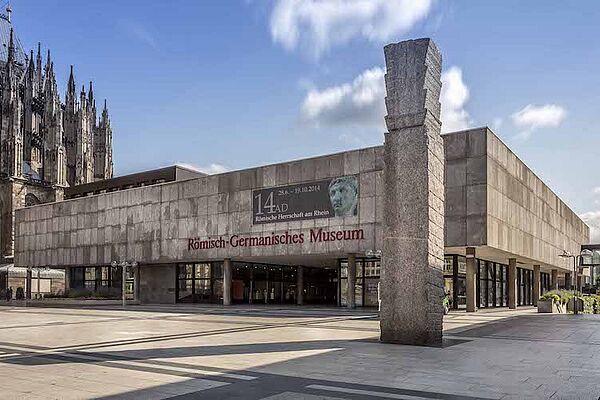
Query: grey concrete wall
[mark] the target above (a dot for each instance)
(153, 224)
(494, 200)
(157, 284)
(466, 176)
(525, 216)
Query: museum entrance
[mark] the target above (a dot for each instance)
(276, 284)
(255, 283)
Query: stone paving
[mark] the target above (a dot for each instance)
(187, 352)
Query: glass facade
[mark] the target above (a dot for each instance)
(253, 283)
(455, 270)
(366, 289)
(200, 283)
(492, 290)
(524, 287)
(97, 279)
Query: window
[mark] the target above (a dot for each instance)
(200, 282)
(366, 284)
(97, 278)
(31, 200)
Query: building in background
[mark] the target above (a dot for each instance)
(46, 145)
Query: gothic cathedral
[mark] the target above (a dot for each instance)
(45, 144)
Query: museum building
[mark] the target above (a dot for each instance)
(304, 232)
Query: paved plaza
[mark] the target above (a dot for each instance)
(290, 353)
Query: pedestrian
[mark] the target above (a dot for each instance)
(9, 294)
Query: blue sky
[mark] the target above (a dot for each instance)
(232, 84)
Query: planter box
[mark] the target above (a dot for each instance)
(547, 306)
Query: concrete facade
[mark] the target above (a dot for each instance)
(484, 210)
(153, 224)
(157, 284)
(498, 205)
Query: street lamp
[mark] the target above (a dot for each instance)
(124, 265)
(567, 254)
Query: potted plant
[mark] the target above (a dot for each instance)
(551, 302)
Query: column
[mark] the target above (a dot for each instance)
(68, 271)
(300, 286)
(28, 284)
(568, 281)
(512, 283)
(471, 280)
(351, 280)
(536, 285)
(554, 280)
(227, 282)
(412, 279)
(136, 283)
(579, 283)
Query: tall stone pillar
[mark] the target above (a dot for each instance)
(300, 286)
(351, 281)
(227, 282)
(536, 284)
(471, 280)
(412, 284)
(512, 283)
(554, 280)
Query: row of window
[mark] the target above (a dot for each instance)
(255, 283)
(492, 288)
(203, 282)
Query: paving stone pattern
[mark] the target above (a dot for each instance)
(168, 352)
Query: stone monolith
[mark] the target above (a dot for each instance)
(413, 243)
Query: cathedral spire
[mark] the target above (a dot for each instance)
(104, 118)
(30, 67)
(11, 47)
(39, 56)
(8, 11)
(71, 86)
(38, 65)
(91, 95)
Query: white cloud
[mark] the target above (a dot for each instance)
(596, 190)
(592, 218)
(497, 123)
(211, 169)
(139, 32)
(455, 95)
(362, 102)
(318, 25)
(533, 117)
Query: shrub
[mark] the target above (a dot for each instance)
(57, 295)
(107, 293)
(80, 293)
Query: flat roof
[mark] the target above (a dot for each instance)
(144, 178)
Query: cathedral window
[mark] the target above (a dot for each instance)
(31, 200)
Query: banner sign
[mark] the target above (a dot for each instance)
(337, 197)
